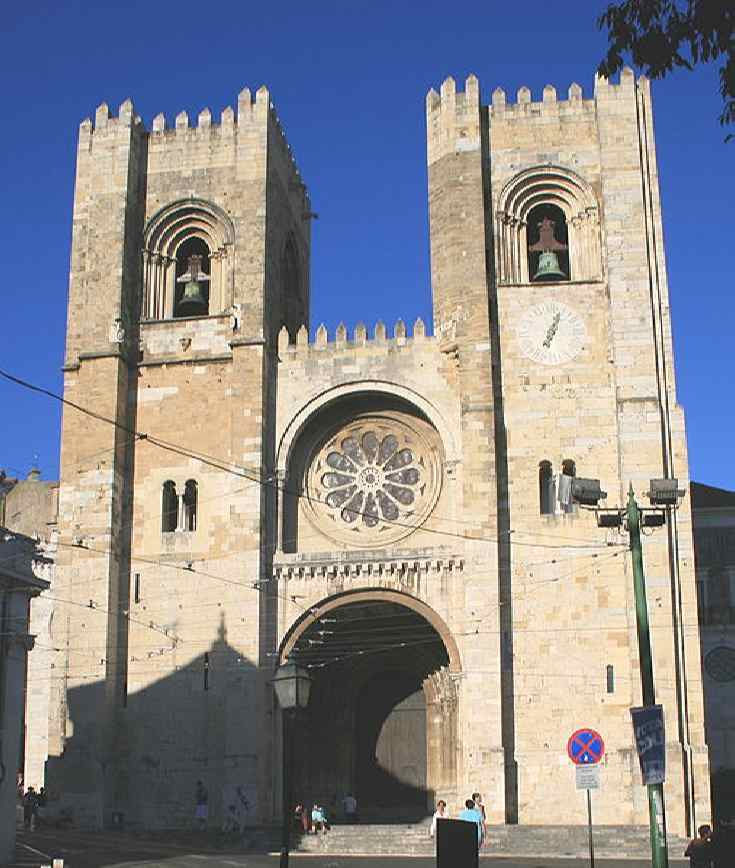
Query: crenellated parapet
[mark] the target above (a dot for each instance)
(250, 109)
(254, 113)
(549, 106)
(453, 118)
(323, 342)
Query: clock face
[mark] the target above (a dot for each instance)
(551, 333)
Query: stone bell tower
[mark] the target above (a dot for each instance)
(190, 251)
(548, 265)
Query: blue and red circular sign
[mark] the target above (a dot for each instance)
(585, 747)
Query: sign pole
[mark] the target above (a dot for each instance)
(656, 811)
(589, 828)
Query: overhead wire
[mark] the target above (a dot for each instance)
(236, 469)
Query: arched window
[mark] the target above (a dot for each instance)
(179, 511)
(293, 306)
(556, 194)
(191, 295)
(173, 285)
(546, 488)
(548, 244)
(190, 505)
(169, 508)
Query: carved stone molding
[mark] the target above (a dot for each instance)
(361, 569)
(568, 191)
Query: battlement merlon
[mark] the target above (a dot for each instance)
(453, 119)
(453, 116)
(255, 115)
(360, 337)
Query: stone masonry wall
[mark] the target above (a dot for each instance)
(152, 625)
(608, 411)
(169, 637)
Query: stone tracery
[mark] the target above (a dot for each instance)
(373, 479)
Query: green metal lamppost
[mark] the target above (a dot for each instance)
(292, 684)
(664, 495)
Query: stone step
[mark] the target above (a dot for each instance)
(413, 839)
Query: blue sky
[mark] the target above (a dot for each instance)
(349, 81)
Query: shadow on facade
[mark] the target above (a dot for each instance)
(135, 760)
(375, 727)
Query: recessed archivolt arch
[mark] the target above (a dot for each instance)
(165, 232)
(295, 427)
(547, 185)
(372, 595)
(292, 304)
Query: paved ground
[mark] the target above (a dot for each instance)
(88, 850)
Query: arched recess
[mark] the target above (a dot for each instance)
(324, 399)
(292, 302)
(382, 720)
(345, 507)
(551, 185)
(321, 609)
(165, 233)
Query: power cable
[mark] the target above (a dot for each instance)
(221, 464)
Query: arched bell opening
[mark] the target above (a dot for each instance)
(548, 244)
(382, 718)
(191, 294)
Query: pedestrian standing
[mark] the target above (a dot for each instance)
(477, 799)
(201, 808)
(723, 845)
(439, 814)
(41, 806)
(30, 808)
(470, 814)
(317, 819)
(300, 818)
(699, 850)
(349, 806)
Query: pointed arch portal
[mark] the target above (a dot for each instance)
(382, 719)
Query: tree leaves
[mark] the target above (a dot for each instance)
(661, 35)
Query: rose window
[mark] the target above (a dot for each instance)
(374, 478)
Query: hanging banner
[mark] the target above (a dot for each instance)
(650, 741)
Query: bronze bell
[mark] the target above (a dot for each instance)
(193, 302)
(546, 246)
(548, 266)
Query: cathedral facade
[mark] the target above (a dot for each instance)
(390, 508)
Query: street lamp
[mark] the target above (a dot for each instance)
(292, 684)
(663, 494)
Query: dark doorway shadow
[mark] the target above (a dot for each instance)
(378, 718)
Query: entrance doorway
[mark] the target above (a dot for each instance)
(381, 722)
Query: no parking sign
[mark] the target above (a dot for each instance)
(585, 747)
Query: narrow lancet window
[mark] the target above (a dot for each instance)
(170, 507)
(190, 505)
(568, 472)
(546, 488)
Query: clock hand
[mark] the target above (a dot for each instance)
(552, 330)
